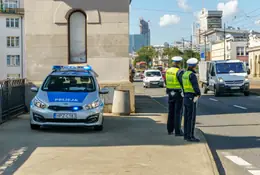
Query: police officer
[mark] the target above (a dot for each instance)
(175, 94)
(191, 94)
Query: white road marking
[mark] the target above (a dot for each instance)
(14, 155)
(254, 172)
(212, 99)
(239, 161)
(241, 107)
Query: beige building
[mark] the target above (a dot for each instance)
(235, 49)
(254, 55)
(96, 32)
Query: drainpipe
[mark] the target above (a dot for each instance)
(21, 63)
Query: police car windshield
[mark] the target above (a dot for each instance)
(153, 74)
(225, 68)
(56, 83)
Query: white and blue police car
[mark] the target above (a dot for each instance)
(69, 96)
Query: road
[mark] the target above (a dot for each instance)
(231, 124)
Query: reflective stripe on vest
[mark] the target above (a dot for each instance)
(187, 86)
(172, 81)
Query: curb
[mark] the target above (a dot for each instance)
(212, 160)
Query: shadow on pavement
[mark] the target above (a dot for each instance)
(225, 105)
(147, 104)
(118, 131)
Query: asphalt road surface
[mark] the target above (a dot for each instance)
(232, 127)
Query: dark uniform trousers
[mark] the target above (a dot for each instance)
(189, 116)
(174, 111)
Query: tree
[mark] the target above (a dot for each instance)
(190, 54)
(171, 52)
(146, 54)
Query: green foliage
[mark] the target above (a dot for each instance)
(171, 52)
(146, 54)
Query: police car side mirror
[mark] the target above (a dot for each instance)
(248, 71)
(103, 91)
(34, 89)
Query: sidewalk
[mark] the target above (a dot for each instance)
(255, 86)
(133, 145)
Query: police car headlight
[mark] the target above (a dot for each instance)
(93, 105)
(161, 79)
(220, 80)
(39, 103)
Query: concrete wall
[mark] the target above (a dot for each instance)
(107, 36)
(4, 50)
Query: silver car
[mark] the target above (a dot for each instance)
(69, 96)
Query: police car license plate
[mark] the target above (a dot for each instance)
(65, 116)
(235, 87)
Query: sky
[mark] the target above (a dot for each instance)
(170, 20)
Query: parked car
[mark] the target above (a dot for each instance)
(153, 78)
(69, 96)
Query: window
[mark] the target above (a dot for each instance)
(13, 41)
(10, 4)
(240, 51)
(153, 74)
(13, 60)
(225, 68)
(77, 37)
(12, 22)
(66, 83)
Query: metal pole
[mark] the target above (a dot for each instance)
(183, 52)
(224, 41)
(191, 42)
(205, 47)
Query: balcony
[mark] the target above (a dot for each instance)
(11, 9)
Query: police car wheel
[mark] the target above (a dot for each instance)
(35, 127)
(98, 128)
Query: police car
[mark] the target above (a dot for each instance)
(69, 96)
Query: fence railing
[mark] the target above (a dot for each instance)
(12, 98)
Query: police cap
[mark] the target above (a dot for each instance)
(176, 59)
(192, 61)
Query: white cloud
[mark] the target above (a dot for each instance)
(229, 8)
(183, 5)
(257, 22)
(166, 20)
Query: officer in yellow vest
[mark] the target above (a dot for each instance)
(191, 95)
(175, 96)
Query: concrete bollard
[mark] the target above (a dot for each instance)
(121, 103)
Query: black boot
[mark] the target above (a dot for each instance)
(180, 133)
(193, 139)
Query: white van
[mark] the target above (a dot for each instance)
(153, 78)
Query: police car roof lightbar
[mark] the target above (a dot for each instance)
(72, 68)
(87, 68)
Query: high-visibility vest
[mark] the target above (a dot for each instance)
(172, 81)
(187, 86)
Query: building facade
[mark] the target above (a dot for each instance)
(11, 40)
(232, 49)
(160, 60)
(254, 55)
(136, 41)
(61, 32)
(215, 36)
